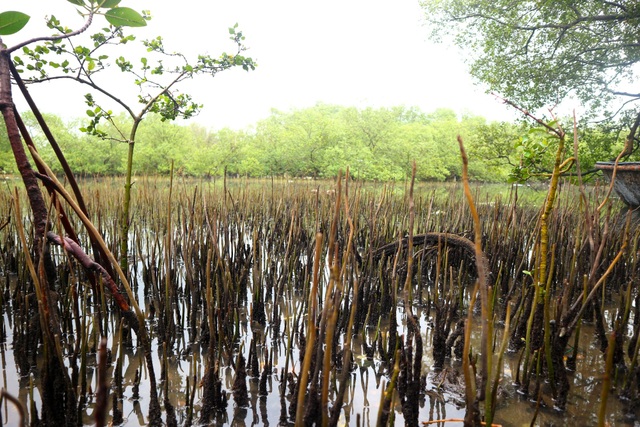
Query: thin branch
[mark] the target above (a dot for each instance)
(619, 93)
(581, 19)
(93, 86)
(81, 30)
(558, 131)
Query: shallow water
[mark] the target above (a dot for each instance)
(442, 399)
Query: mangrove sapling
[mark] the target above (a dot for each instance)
(37, 204)
(83, 64)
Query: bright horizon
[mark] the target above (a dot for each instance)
(351, 53)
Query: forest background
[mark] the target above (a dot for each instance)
(318, 142)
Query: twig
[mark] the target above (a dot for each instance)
(81, 30)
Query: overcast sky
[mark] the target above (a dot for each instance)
(350, 52)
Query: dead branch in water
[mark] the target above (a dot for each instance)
(429, 239)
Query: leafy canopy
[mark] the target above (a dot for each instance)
(536, 53)
(12, 22)
(156, 75)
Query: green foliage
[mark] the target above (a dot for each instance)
(157, 73)
(536, 155)
(494, 143)
(11, 22)
(123, 16)
(603, 141)
(108, 4)
(160, 144)
(318, 142)
(7, 162)
(95, 114)
(537, 53)
(375, 144)
(86, 155)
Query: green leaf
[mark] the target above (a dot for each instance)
(77, 2)
(125, 17)
(109, 4)
(90, 113)
(12, 22)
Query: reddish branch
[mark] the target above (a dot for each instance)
(36, 200)
(78, 253)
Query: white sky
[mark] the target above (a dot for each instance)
(349, 52)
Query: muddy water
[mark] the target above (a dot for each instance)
(442, 401)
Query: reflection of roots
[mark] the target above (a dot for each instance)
(430, 239)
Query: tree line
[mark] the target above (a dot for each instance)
(318, 142)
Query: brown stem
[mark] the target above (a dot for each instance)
(628, 142)
(97, 253)
(76, 251)
(36, 200)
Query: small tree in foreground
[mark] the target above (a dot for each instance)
(59, 391)
(155, 77)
